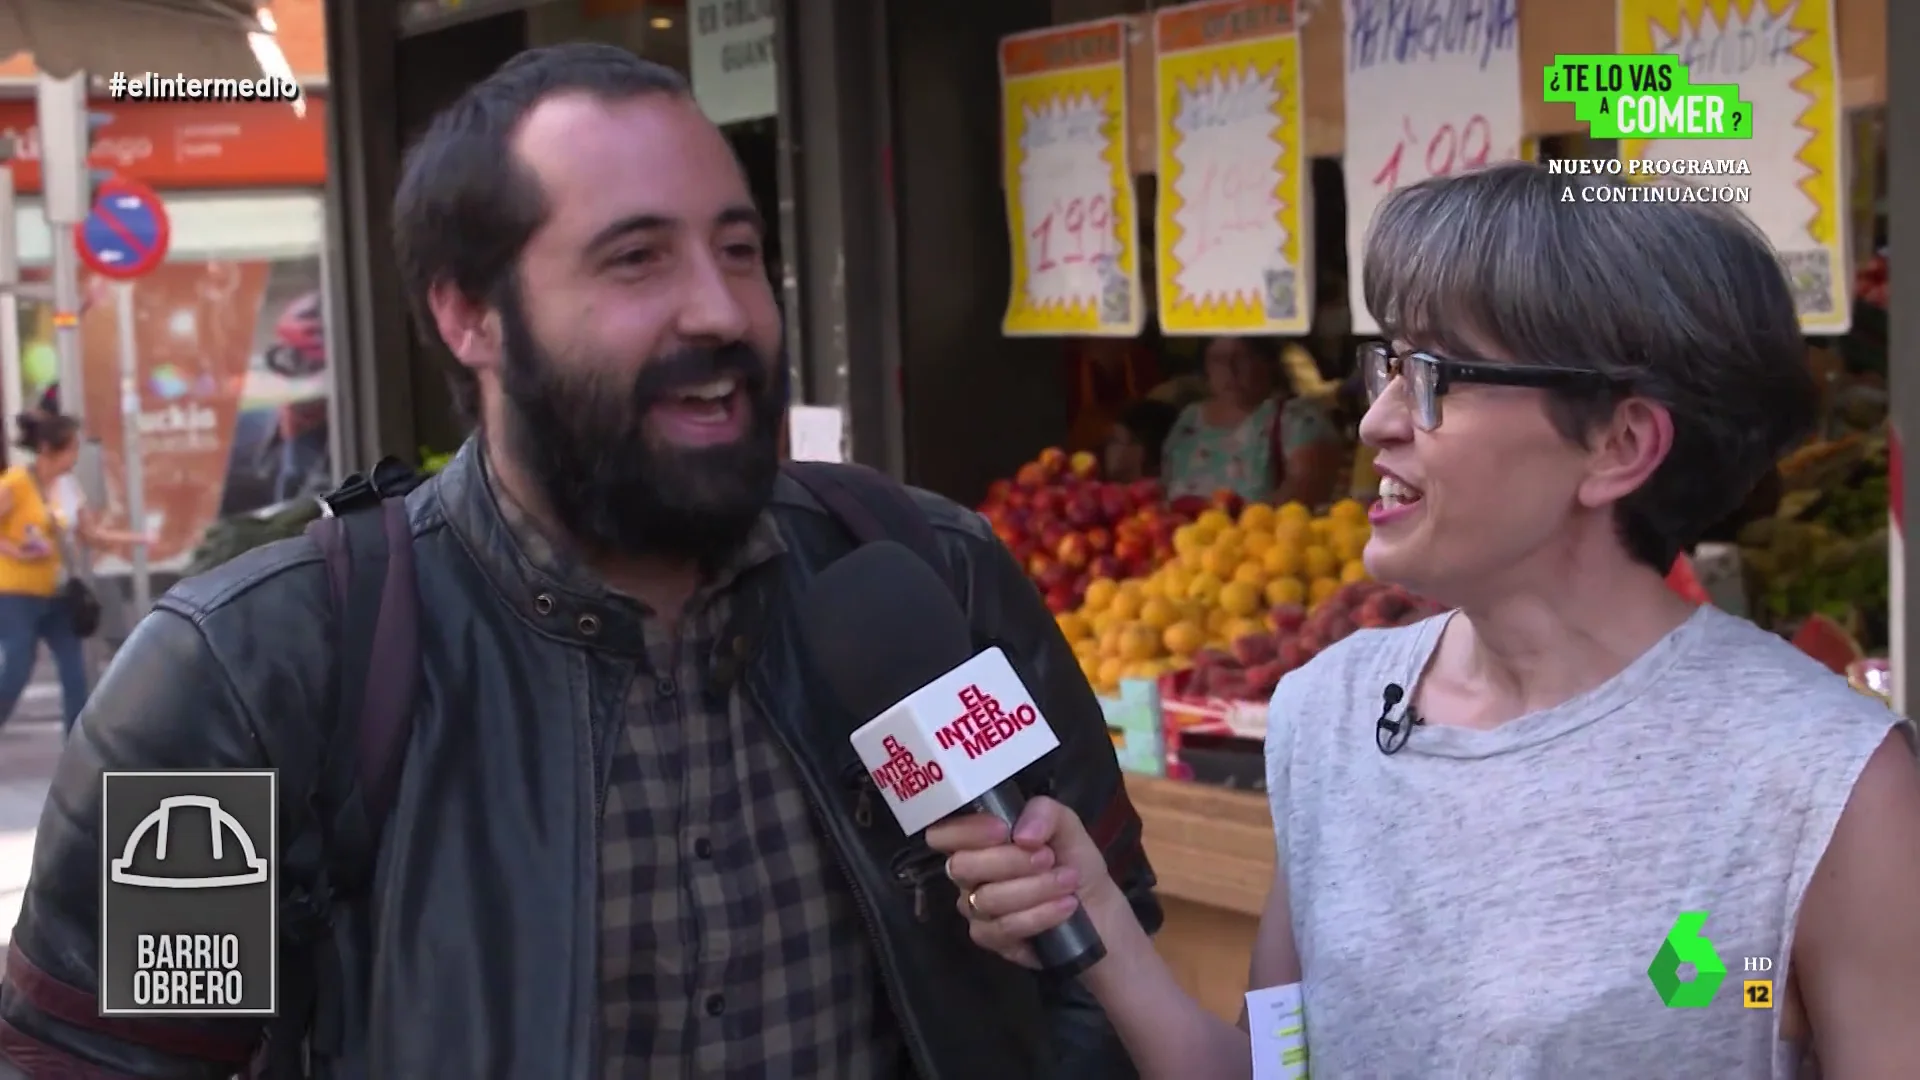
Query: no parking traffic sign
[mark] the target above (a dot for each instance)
(127, 231)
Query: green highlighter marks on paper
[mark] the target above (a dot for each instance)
(1646, 96)
(1277, 1018)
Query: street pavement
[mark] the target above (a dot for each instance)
(29, 747)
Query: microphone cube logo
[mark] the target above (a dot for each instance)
(1685, 944)
(189, 890)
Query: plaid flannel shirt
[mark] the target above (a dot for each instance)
(730, 946)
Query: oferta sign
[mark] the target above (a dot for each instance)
(1685, 944)
(1646, 96)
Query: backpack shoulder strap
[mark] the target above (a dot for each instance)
(366, 540)
(873, 506)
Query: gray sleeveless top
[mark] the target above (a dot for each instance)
(1485, 904)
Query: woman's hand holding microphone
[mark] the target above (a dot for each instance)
(1014, 887)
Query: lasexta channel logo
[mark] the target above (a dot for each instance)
(1686, 944)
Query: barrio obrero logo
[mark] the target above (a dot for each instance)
(188, 893)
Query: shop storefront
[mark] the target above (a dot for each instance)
(394, 69)
(231, 340)
(1207, 169)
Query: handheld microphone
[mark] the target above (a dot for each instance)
(950, 728)
(1390, 735)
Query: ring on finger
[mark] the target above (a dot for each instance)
(973, 906)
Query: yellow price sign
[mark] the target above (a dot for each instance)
(1789, 176)
(1070, 202)
(1230, 229)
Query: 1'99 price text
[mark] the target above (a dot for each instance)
(1447, 149)
(1072, 231)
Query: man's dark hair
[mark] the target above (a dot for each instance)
(1149, 422)
(466, 206)
(1681, 304)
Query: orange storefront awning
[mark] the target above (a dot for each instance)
(199, 38)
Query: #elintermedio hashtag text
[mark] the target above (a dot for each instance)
(153, 86)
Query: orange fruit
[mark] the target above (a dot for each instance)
(1073, 625)
(1318, 562)
(1322, 590)
(1252, 572)
(1204, 589)
(1217, 620)
(1087, 651)
(1292, 534)
(1110, 639)
(1158, 614)
(1139, 642)
(1221, 561)
(1282, 560)
(1213, 521)
(1286, 590)
(1256, 544)
(1257, 517)
(1125, 604)
(1238, 598)
(1353, 571)
(1189, 538)
(1347, 542)
(1108, 676)
(1184, 639)
(1100, 593)
(1348, 511)
(1245, 627)
(1292, 512)
(1174, 581)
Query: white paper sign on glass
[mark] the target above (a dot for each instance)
(1276, 1017)
(1066, 193)
(816, 433)
(730, 54)
(1231, 238)
(953, 740)
(1422, 103)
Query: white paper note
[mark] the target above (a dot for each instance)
(1277, 1018)
(816, 433)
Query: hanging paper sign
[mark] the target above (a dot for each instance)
(1422, 103)
(1070, 205)
(1784, 57)
(1231, 248)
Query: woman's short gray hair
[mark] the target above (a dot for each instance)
(1683, 304)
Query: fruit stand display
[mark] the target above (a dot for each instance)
(1070, 529)
(1818, 567)
(1241, 602)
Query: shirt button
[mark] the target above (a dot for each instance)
(716, 1004)
(664, 688)
(703, 847)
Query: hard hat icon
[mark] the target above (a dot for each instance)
(218, 821)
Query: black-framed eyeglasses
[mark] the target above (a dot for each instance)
(1427, 378)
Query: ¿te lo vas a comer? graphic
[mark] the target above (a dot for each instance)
(1646, 96)
(1687, 944)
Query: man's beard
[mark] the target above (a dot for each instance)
(616, 487)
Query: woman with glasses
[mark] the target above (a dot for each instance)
(1555, 831)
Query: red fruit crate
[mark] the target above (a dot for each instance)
(1187, 715)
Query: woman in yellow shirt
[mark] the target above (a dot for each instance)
(32, 564)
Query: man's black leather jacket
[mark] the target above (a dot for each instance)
(485, 901)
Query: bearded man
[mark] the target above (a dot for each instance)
(627, 837)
